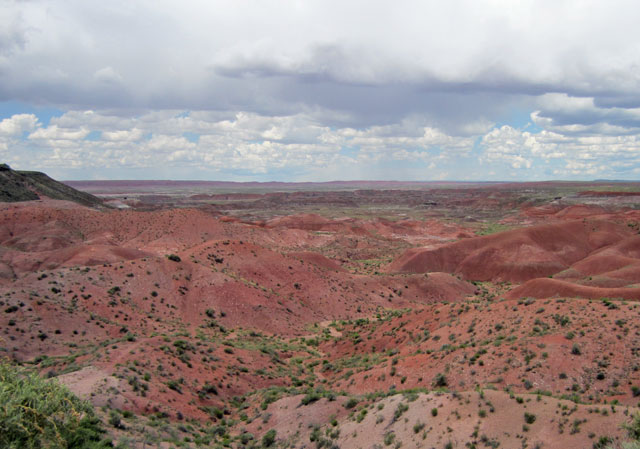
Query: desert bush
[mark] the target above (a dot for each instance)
(313, 395)
(440, 380)
(633, 428)
(575, 349)
(603, 442)
(207, 389)
(400, 410)
(38, 413)
(352, 402)
(269, 438)
(310, 397)
(174, 258)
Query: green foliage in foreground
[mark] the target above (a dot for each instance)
(36, 413)
(633, 431)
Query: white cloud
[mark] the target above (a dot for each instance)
(53, 132)
(403, 141)
(126, 135)
(18, 124)
(509, 145)
(255, 144)
(572, 154)
(247, 142)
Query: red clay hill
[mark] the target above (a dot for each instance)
(590, 255)
(420, 315)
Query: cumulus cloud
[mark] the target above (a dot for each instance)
(127, 135)
(567, 155)
(18, 124)
(248, 142)
(53, 132)
(301, 146)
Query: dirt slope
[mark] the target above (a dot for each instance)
(29, 185)
(484, 418)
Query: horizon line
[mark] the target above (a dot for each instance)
(342, 181)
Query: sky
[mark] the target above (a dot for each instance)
(320, 90)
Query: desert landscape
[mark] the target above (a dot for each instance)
(319, 224)
(336, 315)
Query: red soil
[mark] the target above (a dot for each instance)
(550, 288)
(517, 255)
(306, 300)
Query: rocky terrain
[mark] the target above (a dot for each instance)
(433, 316)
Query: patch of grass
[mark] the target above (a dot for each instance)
(492, 228)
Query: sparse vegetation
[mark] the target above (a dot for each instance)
(265, 320)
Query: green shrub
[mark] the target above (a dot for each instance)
(633, 428)
(314, 395)
(440, 381)
(245, 438)
(269, 438)
(352, 402)
(603, 442)
(575, 349)
(37, 413)
(400, 410)
(175, 385)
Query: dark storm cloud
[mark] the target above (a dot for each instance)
(377, 62)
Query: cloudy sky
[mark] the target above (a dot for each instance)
(317, 90)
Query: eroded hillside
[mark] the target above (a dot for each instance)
(203, 327)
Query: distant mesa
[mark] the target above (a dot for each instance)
(16, 185)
